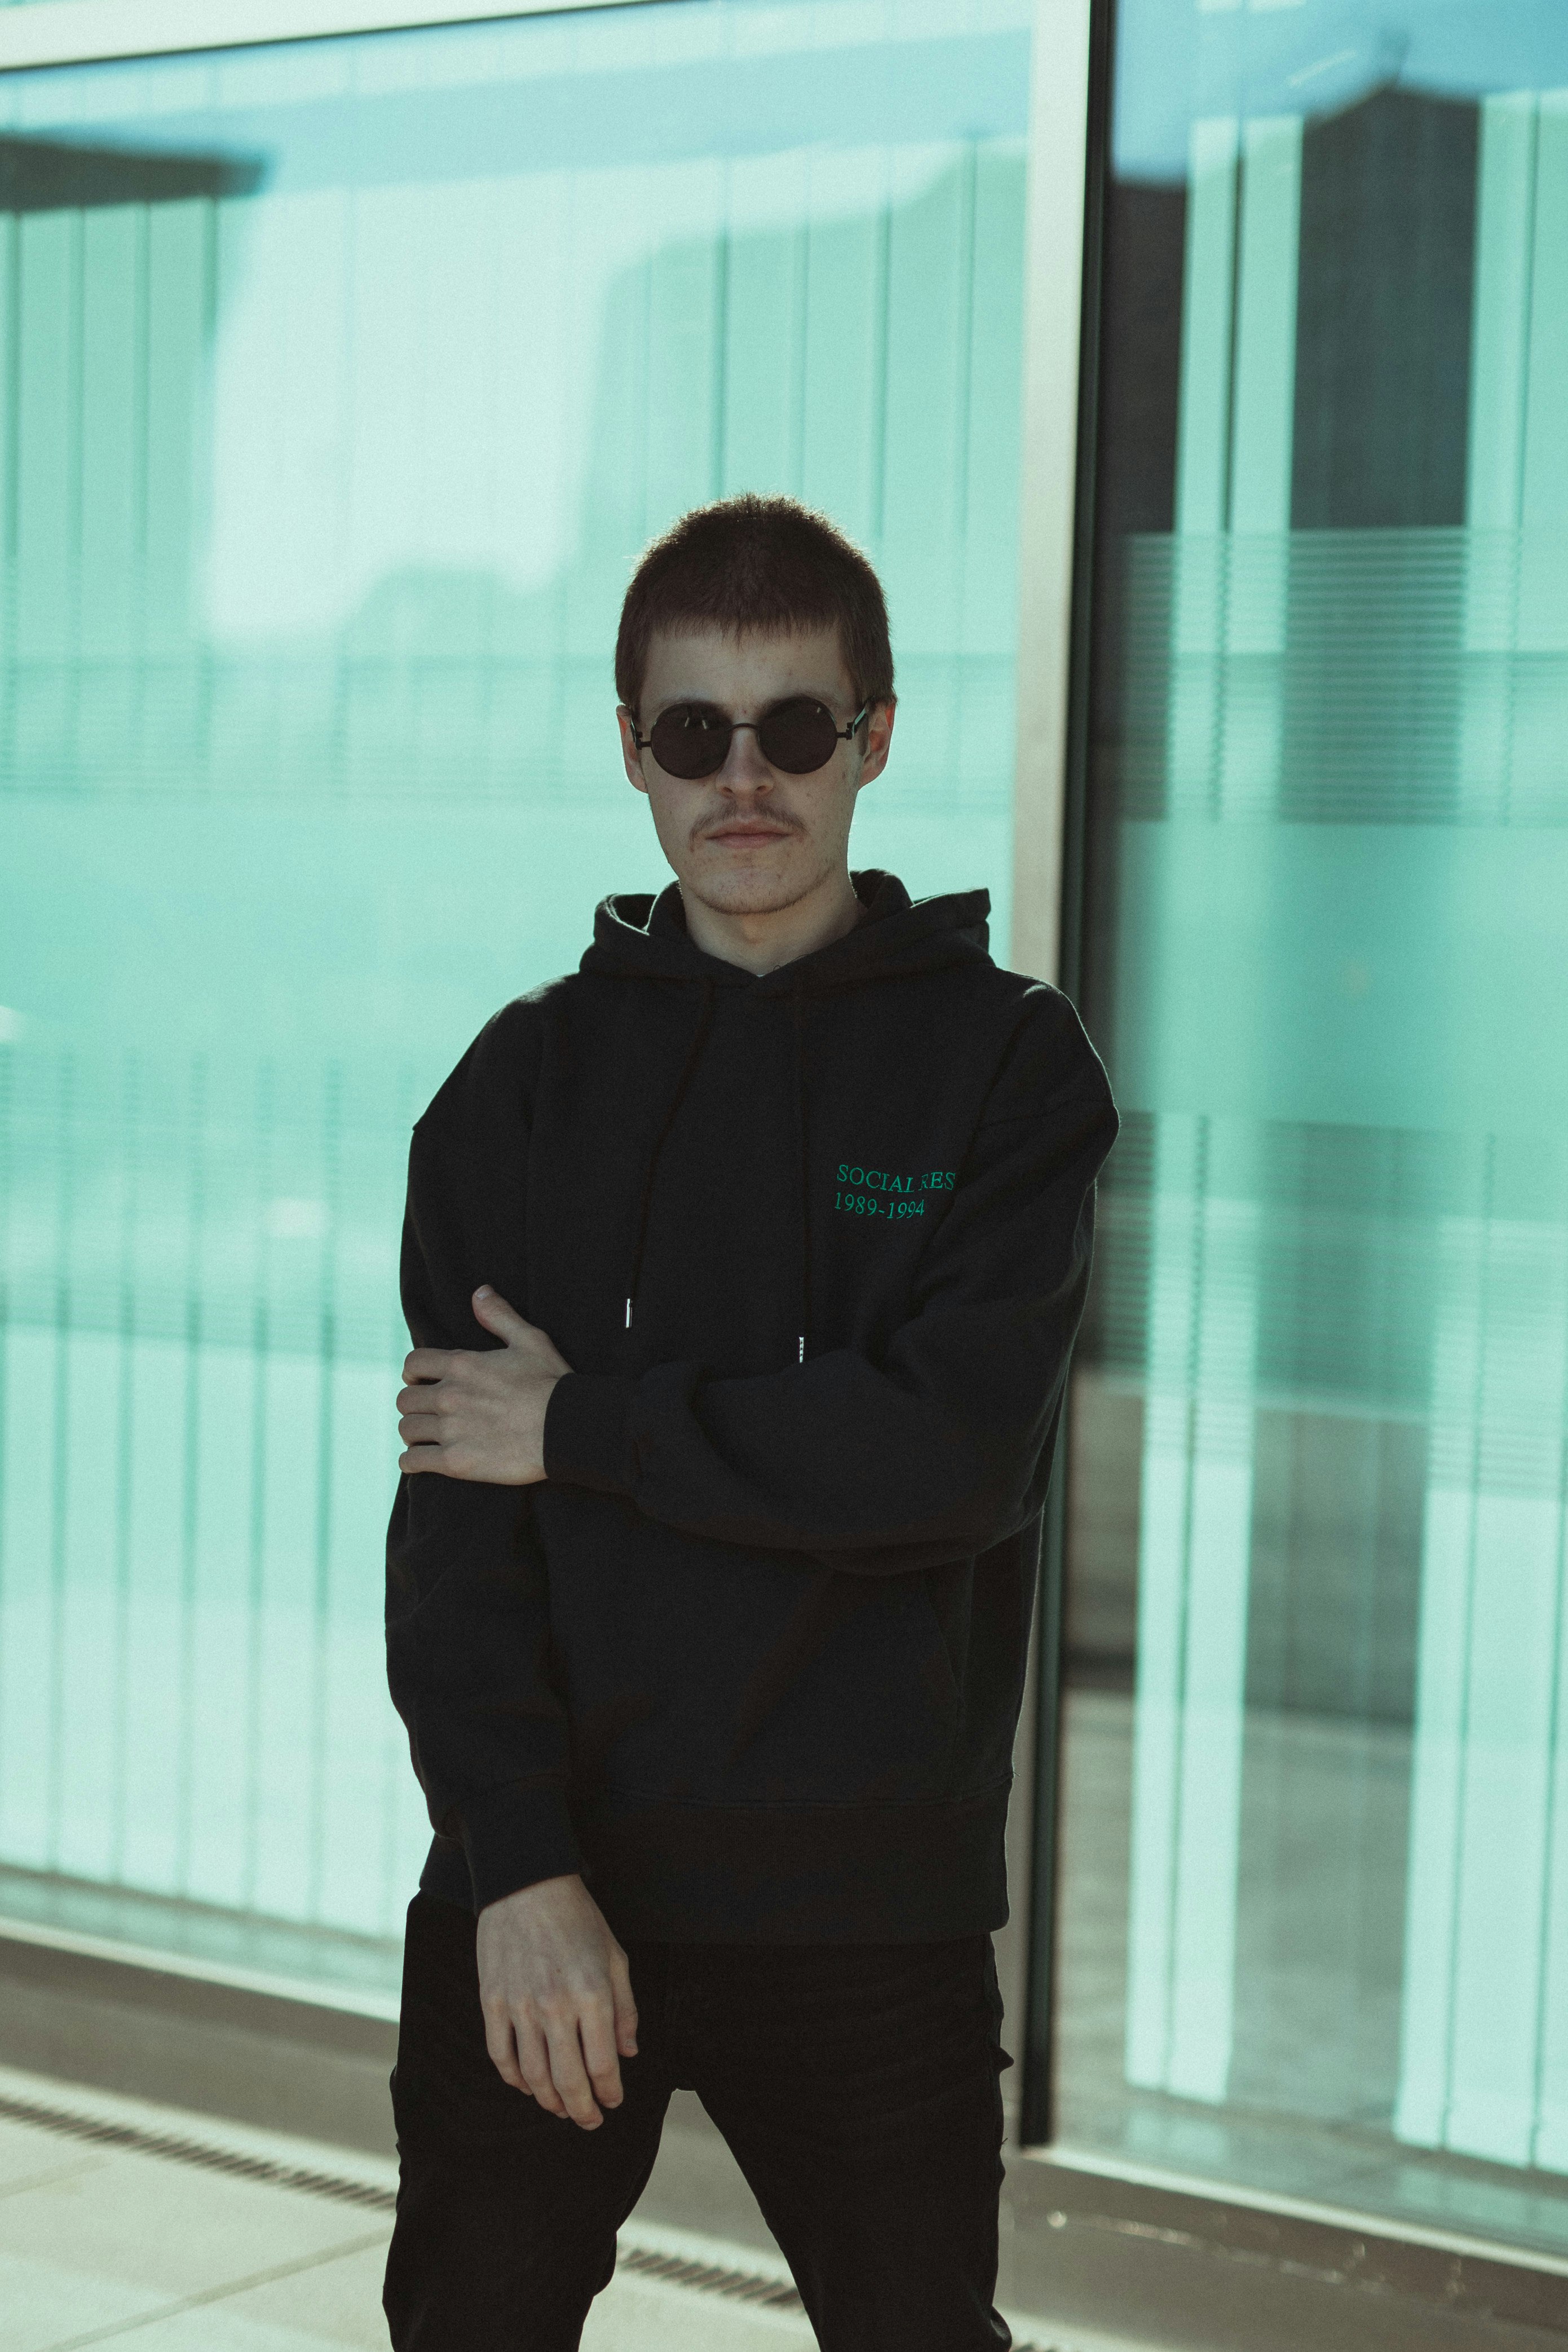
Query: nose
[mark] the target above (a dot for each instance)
(745, 769)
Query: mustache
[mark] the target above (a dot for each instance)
(766, 821)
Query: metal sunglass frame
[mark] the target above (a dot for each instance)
(840, 734)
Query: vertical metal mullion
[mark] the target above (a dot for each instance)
(1059, 925)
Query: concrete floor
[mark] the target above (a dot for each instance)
(106, 2241)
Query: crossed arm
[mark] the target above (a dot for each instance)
(554, 1985)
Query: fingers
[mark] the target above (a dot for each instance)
(498, 1316)
(520, 2055)
(427, 1396)
(625, 2008)
(450, 1458)
(550, 2063)
(499, 2042)
(535, 2064)
(597, 2037)
(566, 2060)
(555, 1989)
(420, 1458)
(570, 2073)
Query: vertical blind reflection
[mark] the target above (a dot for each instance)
(197, 1346)
(339, 387)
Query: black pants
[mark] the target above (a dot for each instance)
(856, 2083)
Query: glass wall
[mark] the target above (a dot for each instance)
(339, 385)
(1313, 1934)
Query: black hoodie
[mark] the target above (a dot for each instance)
(816, 1246)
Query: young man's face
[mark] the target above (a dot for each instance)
(753, 840)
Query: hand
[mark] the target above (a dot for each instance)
(556, 1991)
(480, 1412)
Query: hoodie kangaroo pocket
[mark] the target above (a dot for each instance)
(855, 1701)
(719, 1675)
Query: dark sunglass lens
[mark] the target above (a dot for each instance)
(690, 739)
(797, 736)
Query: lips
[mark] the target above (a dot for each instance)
(750, 833)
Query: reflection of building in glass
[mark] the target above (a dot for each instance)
(1331, 784)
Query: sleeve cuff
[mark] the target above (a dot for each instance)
(515, 1836)
(587, 1433)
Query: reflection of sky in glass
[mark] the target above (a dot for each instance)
(464, 152)
(1255, 58)
(297, 545)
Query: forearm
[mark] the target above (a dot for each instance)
(467, 1633)
(839, 1459)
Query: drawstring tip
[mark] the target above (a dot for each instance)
(627, 1315)
(801, 1358)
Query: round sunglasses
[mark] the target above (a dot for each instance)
(797, 737)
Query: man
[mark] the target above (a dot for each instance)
(742, 1267)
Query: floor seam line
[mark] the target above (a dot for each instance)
(122, 2327)
(46, 2180)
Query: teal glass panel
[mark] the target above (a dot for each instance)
(340, 385)
(1316, 1853)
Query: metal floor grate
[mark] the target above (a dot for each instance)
(713, 2278)
(182, 2150)
(671, 2270)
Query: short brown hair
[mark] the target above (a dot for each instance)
(752, 563)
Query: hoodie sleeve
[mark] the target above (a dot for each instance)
(940, 1445)
(467, 1600)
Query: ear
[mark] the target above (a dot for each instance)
(878, 739)
(629, 752)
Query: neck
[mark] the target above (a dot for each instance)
(760, 943)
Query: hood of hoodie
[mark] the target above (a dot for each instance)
(640, 936)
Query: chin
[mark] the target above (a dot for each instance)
(739, 892)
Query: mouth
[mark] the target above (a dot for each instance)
(747, 833)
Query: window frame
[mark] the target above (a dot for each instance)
(92, 32)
